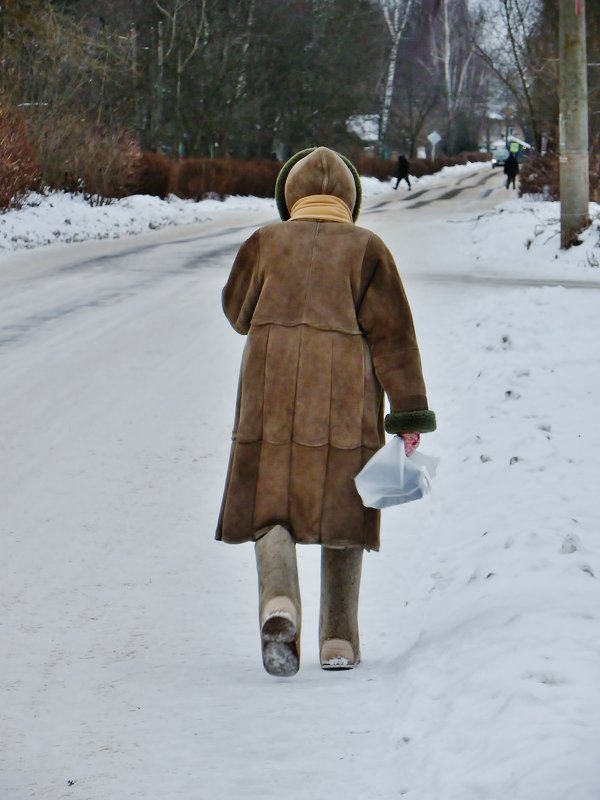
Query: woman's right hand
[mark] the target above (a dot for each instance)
(411, 442)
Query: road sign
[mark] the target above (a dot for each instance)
(434, 138)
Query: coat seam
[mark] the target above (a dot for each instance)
(301, 323)
(257, 270)
(293, 422)
(325, 168)
(262, 430)
(310, 270)
(329, 447)
(362, 266)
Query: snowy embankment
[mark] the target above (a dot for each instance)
(61, 217)
(498, 678)
(498, 235)
(132, 668)
(65, 218)
(499, 670)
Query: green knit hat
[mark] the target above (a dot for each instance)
(285, 171)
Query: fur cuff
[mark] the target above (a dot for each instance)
(410, 422)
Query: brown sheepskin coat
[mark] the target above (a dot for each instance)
(329, 330)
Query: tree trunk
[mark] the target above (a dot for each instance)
(448, 80)
(396, 18)
(573, 122)
(389, 88)
(160, 60)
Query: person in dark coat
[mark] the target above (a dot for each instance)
(402, 171)
(511, 170)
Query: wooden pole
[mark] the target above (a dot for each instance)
(573, 122)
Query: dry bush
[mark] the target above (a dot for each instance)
(423, 166)
(256, 178)
(78, 156)
(107, 165)
(539, 175)
(373, 167)
(595, 175)
(475, 155)
(18, 165)
(155, 175)
(198, 178)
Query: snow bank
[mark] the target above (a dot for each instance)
(498, 695)
(455, 171)
(64, 218)
(526, 232)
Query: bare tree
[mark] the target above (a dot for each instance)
(50, 64)
(186, 22)
(452, 34)
(418, 85)
(509, 55)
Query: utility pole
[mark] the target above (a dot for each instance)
(573, 122)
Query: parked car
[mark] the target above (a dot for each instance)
(499, 155)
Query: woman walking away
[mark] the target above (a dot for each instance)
(329, 330)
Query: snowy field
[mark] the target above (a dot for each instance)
(130, 664)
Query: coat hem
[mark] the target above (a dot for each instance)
(341, 546)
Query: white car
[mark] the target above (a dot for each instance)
(499, 155)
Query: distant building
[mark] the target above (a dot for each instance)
(366, 127)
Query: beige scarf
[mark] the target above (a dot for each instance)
(321, 206)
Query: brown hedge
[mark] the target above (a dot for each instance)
(155, 174)
(384, 169)
(198, 178)
(541, 175)
(77, 155)
(19, 172)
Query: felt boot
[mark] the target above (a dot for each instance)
(338, 626)
(279, 602)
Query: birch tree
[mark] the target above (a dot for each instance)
(396, 14)
(452, 38)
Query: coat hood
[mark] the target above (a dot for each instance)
(317, 170)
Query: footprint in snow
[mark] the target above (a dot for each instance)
(571, 543)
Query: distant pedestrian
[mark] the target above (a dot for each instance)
(511, 170)
(402, 171)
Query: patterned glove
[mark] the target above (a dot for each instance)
(411, 442)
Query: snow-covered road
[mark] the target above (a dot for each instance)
(130, 664)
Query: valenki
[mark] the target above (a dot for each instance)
(329, 331)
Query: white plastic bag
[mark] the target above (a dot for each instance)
(389, 478)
